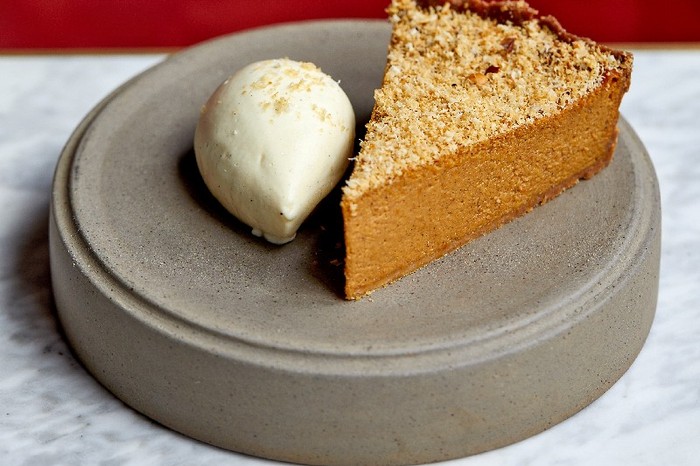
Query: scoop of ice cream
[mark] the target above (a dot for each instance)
(272, 141)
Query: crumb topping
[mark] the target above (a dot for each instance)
(455, 78)
(286, 78)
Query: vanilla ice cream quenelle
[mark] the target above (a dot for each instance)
(272, 141)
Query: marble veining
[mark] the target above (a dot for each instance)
(53, 412)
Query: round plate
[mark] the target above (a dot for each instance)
(179, 311)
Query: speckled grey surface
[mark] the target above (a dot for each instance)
(181, 313)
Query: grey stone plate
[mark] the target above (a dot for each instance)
(181, 313)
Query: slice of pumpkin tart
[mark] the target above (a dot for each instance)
(485, 111)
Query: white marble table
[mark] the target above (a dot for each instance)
(53, 412)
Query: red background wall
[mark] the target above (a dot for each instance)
(31, 24)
